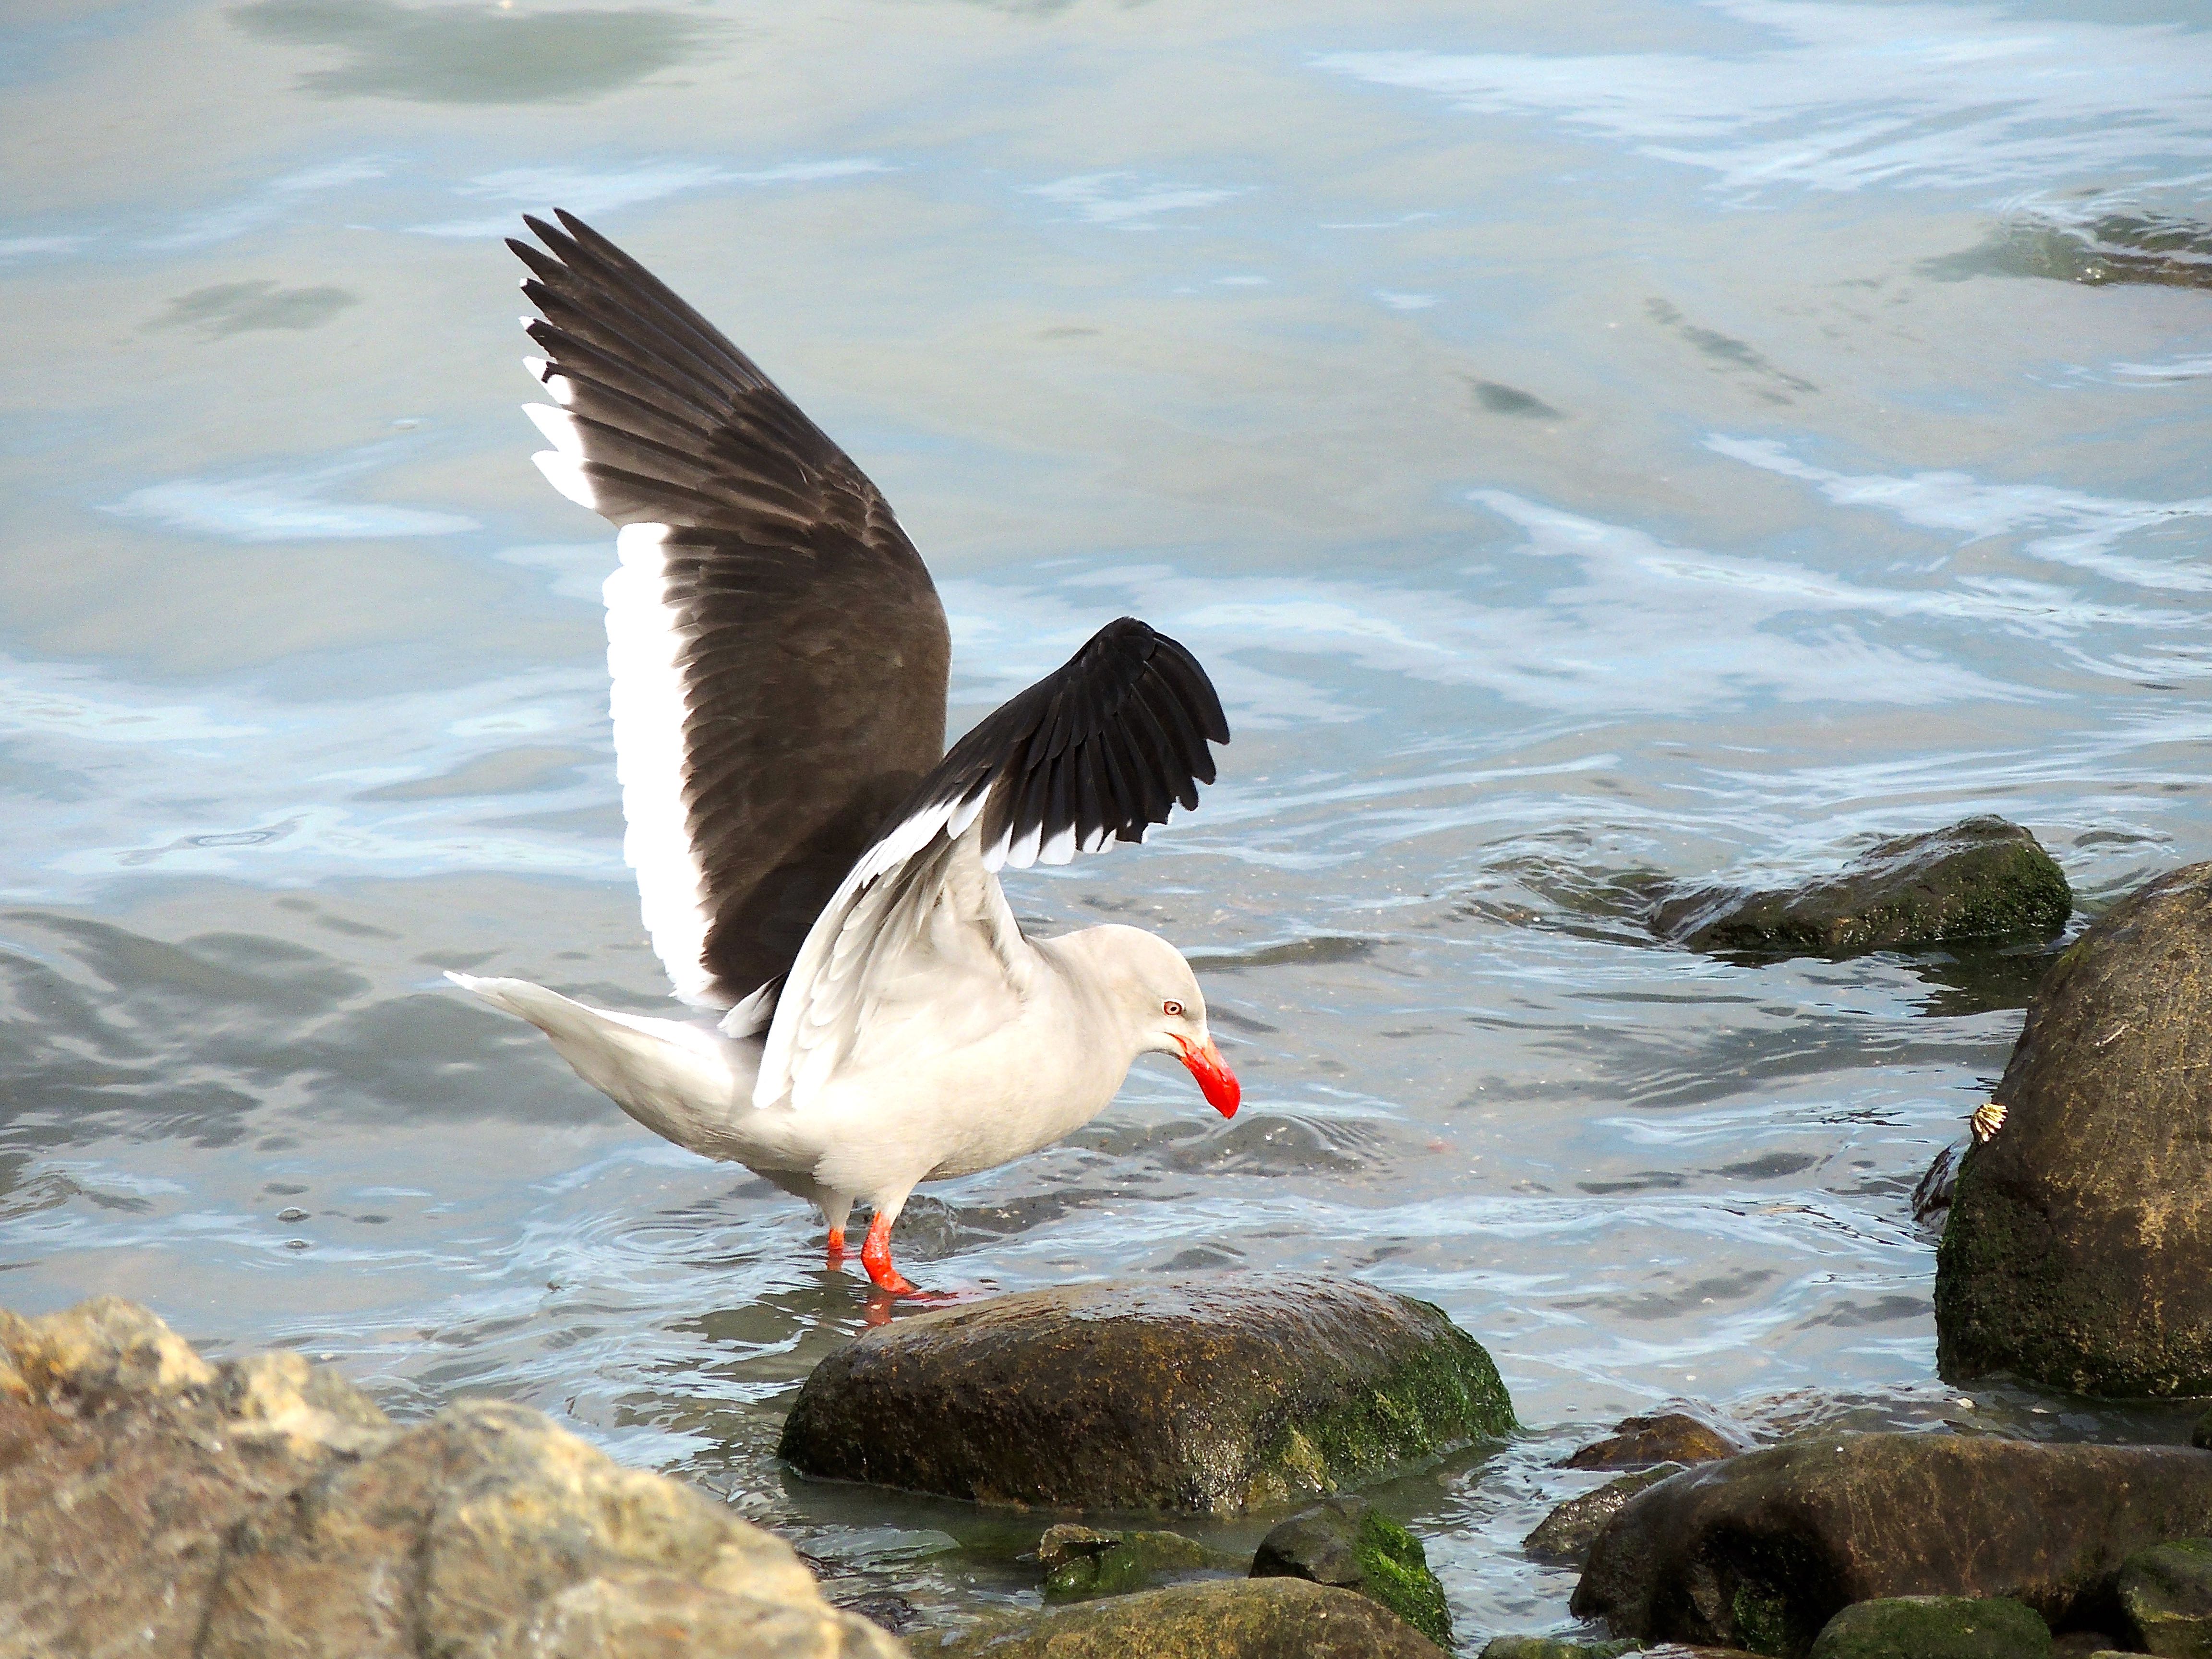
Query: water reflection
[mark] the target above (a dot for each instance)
(228, 308)
(466, 54)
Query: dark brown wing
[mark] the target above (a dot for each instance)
(779, 651)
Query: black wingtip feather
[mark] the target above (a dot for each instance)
(1105, 746)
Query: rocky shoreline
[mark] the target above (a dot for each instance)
(159, 1503)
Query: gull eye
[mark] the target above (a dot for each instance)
(1172, 1008)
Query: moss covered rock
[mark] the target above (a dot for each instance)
(1761, 1551)
(1981, 879)
(2166, 1592)
(1082, 1563)
(2078, 1251)
(1349, 1543)
(1934, 1627)
(1236, 1618)
(2201, 1436)
(1555, 1647)
(1221, 1394)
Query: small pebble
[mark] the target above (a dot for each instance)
(294, 1213)
(297, 1244)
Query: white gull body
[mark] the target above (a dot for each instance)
(816, 875)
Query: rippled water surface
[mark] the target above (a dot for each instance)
(1589, 445)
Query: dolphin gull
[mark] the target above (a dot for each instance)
(815, 872)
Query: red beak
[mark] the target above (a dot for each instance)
(1213, 1075)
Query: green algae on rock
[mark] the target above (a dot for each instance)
(1934, 1627)
(1232, 1619)
(1555, 1647)
(2166, 1592)
(1762, 1550)
(1082, 1564)
(1980, 879)
(2078, 1251)
(1349, 1543)
(1222, 1394)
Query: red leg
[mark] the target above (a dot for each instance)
(876, 1257)
(836, 1246)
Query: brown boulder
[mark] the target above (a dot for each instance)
(1762, 1550)
(2079, 1247)
(1660, 1438)
(158, 1505)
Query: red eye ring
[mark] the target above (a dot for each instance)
(1172, 1008)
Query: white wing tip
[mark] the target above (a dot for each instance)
(566, 474)
(1060, 849)
(466, 982)
(559, 427)
(556, 384)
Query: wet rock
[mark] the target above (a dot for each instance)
(1934, 1627)
(1931, 1199)
(161, 1505)
(2166, 1593)
(1081, 1562)
(1660, 1438)
(1982, 878)
(1567, 1533)
(2201, 1436)
(1762, 1550)
(1220, 1394)
(1233, 1618)
(1349, 1543)
(2113, 248)
(2079, 1247)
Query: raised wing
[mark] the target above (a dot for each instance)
(778, 651)
(1094, 752)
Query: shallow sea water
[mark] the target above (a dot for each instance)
(1586, 444)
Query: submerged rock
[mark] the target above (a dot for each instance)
(1351, 1544)
(1934, 1627)
(2079, 1247)
(2114, 247)
(2166, 1593)
(1235, 1618)
(1762, 1550)
(1221, 1394)
(159, 1505)
(1982, 878)
(1567, 1533)
(1082, 1563)
(1659, 1438)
